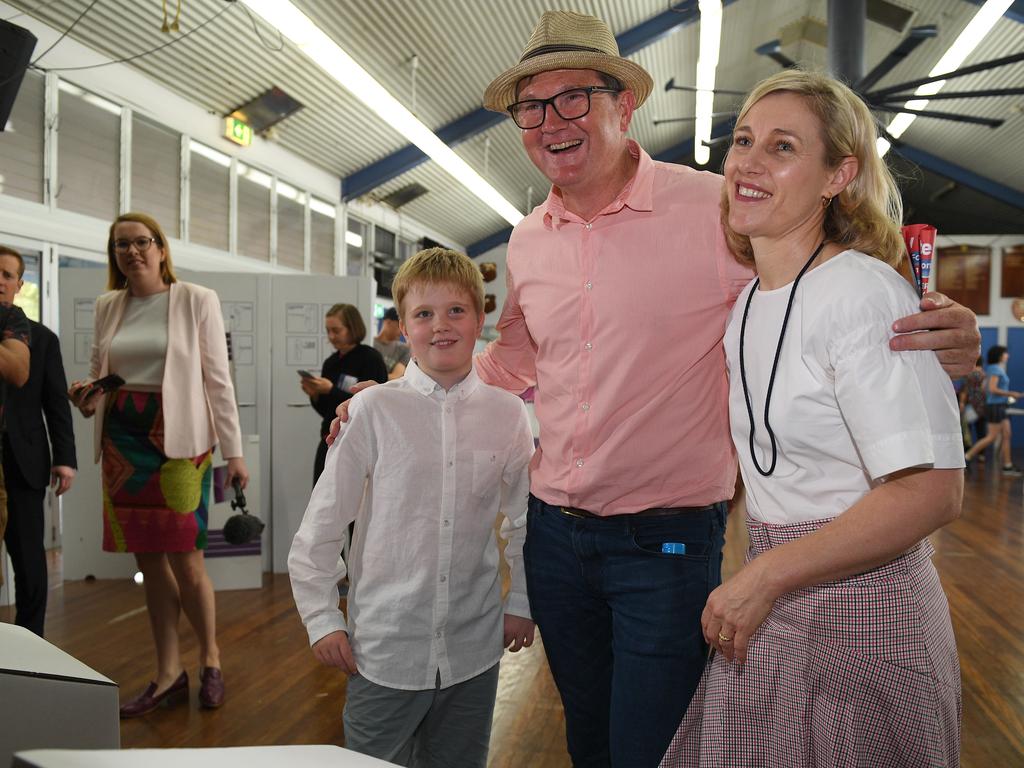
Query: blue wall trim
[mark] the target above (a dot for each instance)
(491, 241)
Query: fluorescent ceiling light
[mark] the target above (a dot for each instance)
(707, 62)
(354, 239)
(952, 59)
(283, 16)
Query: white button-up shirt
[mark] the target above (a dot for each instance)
(424, 473)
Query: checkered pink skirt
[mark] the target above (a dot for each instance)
(857, 672)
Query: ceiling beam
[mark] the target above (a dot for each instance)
(1015, 12)
(466, 127)
(961, 175)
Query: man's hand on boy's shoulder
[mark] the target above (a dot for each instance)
(518, 632)
(333, 650)
(342, 411)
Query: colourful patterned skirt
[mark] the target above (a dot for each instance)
(857, 672)
(150, 503)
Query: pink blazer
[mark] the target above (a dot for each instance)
(198, 396)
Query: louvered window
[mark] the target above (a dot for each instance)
(321, 218)
(21, 143)
(88, 153)
(156, 174)
(209, 180)
(357, 245)
(291, 226)
(253, 213)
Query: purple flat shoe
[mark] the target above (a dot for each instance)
(149, 700)
(211, 691)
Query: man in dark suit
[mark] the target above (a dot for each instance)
(26, 458)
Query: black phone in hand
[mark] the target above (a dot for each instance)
(105, 385)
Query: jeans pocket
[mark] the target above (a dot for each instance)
(650, 537)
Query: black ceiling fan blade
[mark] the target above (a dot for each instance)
(982, 67)
(773, 50)
(671, 86)
(717, 140)
(894, 97)
(659, 121)
(990, 122)
(907, 46)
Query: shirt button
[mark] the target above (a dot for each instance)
(444, 579)
(585, 406)
(438, 635)
(579, 462)
(446, 523)
(589, 285)
(451, 463)
(448, 409)
(588, 345)
(588, 225)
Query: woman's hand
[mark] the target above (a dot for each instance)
(237, 468)
(83, 397)
(316, 386)
(735, 610)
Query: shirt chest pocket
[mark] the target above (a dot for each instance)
(487, 469)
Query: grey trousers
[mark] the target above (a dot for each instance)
(440, 728)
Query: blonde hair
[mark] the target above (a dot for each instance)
(439, 265)
(351, 319)
(867, 214)
(115, 277)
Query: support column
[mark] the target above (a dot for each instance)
(846, 21)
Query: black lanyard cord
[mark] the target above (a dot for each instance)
(775, 364)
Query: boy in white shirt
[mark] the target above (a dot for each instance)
(424, 466)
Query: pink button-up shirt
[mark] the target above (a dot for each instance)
(619, 322)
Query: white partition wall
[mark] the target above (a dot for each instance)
(298, 342)
(245, 305)
(82, 539)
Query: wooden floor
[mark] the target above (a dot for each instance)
(278, 694)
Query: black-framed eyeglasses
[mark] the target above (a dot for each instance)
(140, 243)
(568, 105)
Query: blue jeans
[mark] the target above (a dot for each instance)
(620, 623)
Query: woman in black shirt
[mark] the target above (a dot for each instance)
(352, 362)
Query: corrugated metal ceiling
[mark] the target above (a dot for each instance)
(459, 45)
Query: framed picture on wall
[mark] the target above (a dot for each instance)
(965, 275)
(1012, 286)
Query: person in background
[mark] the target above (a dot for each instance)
(156, 435)
(997, 400)
(972, 394)
(14, 357)
(27, 465)
(426, 465)
(390, 345)
(351, 362)
(834, 641)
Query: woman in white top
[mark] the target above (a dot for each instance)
(156, 435)
(834, 642)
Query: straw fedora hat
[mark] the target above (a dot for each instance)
(565, 40)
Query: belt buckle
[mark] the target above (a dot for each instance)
(571, 512)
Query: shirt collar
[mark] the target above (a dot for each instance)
(425, 385)
(638, 194)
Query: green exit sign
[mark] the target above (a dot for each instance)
(237, 131)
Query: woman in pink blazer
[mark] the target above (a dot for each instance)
(156, 436)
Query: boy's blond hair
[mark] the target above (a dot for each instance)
(439, 265)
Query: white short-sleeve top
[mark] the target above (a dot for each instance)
(845, 410)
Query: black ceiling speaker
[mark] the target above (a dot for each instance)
(16, 46)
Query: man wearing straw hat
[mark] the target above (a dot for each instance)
(627, 511)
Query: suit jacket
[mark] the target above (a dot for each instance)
(198, 396)
(45, 393)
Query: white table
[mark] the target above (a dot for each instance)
(306, 756)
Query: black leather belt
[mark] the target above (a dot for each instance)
(652, 512)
